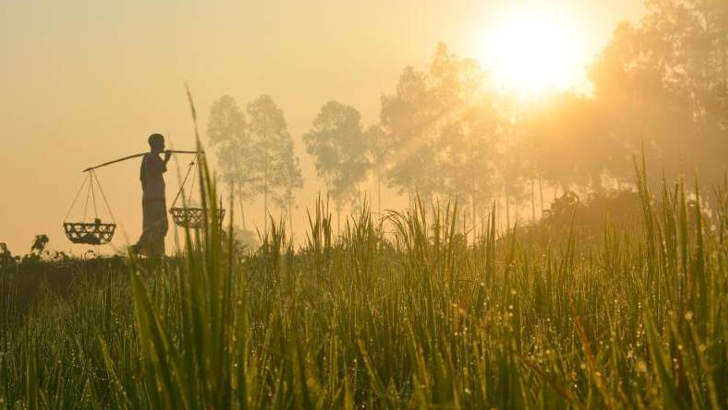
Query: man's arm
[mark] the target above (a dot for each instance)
(155, 165)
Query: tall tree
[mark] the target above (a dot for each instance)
(290, 180)
(469, 153)
(340, 150)
(227, 130)
(274, 169)
(569, 144)
(406, 117)
(662, 84)
(418, 116)
(379, 157)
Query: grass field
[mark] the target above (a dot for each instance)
(414, 318)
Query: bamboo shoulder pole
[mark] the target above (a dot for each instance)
(137, 156)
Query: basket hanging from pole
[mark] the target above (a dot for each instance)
(187, 216)
(94, 233)
(193, 218)
(87, 232)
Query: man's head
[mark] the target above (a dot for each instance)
(156, 142)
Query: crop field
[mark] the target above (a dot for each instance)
(400, 204)
(401, 312)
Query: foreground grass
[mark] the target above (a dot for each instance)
(413, 319)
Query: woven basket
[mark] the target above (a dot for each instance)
(89, 233)
(193, 218)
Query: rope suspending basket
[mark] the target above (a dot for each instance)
(95, 231)
(188, 216)
(86, 231)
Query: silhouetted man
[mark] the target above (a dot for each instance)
(154, 205)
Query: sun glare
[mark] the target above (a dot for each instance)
(533, 52)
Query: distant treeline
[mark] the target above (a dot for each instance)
(660, 87)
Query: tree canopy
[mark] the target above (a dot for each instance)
(660, 85)
(340, 149)
(256, 152)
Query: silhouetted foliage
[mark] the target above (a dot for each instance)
(663, 84)
(6, 257)
(255, 153)
(441, 130)
(340, 149)
(588, 217)
(227, 129)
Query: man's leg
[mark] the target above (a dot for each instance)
(142, 245)
(159, 232)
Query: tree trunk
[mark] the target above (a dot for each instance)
(265, 207)
(474, 216)
(540, 188)
(533, 201)
(508, 209)
(265, 197)
(242, 208)
(379, 195)
(724, 63)
(338, 219)
(465, 227)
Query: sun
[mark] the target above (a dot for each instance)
(533, 52)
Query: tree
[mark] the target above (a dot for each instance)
(406, 118)
(274, 169)
(340, 150)
(228, 131)
(290, 180)
(662, 85)
(569, 144)
(469, 154)
(419, 118)
(379, 157)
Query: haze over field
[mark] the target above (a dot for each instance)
(438, 204)
(83, 82)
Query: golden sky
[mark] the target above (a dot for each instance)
(83, 82)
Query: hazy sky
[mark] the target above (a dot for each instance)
(83, 82)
